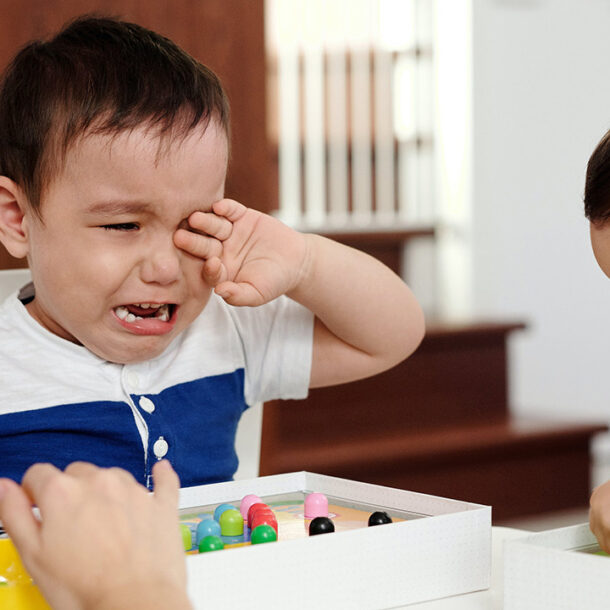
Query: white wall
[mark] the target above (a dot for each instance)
(541, 101)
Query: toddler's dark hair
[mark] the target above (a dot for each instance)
(597, 183)
(97, 75)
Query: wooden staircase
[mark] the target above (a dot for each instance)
(437, 423)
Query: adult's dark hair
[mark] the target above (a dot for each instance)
(97, 75)
(597, 183)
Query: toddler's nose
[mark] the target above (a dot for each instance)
(162, 265)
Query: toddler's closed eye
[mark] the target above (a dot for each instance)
(122, 226)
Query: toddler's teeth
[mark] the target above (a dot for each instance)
(163, 313)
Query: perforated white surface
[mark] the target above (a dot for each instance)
(447, 553)
(545, 572)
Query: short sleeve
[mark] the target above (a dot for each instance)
(277, 342)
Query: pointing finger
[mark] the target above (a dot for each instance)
(166, 483)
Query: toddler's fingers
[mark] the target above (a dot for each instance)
(166, 483)
(214, 271)
(240, 294)
(17, 517)
(197, 245)
(211, 224)
(233, 210)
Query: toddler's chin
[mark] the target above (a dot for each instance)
(132, 354)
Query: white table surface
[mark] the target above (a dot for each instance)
(491, 599)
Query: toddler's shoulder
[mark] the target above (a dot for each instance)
(9, 319)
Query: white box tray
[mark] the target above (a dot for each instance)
(446, 553)
(549, 570)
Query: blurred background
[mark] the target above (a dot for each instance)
(450, 139)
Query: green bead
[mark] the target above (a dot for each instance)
(187, 539)
(231, 523)
(263, 533)
(211, 543)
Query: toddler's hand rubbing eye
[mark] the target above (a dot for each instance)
(184, 224)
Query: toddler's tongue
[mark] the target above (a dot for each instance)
(141, 311)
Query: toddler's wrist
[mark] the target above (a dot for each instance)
(305, 272)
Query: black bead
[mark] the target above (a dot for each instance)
(379, 518)
(321, 525)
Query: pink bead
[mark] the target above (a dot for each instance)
(316, 505)
(246, 503)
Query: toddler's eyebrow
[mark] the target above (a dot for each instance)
(112, 208)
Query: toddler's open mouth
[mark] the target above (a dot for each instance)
(140, 311)
(147, 318)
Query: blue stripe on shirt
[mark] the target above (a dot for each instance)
(198, 419)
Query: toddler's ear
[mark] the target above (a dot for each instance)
(12, 218)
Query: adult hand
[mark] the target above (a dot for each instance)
(599, 515)
(102, 541)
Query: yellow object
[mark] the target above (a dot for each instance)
(17, 591)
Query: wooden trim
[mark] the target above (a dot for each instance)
(378, 236)
(227, 35)
(436, 328)
(442, 445)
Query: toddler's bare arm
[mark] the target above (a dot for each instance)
(367, 319)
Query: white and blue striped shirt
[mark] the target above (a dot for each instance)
(60, 403)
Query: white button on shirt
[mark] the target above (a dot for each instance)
(160, 448)
(146, 404)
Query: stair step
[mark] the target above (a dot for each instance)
(519, 467)
(437, 446)
(438, 423)
(456, 377)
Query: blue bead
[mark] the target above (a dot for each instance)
(232, 539)
(207, 527)
(221, 509)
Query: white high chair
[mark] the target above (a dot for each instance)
(11, 280)
(248, 442)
